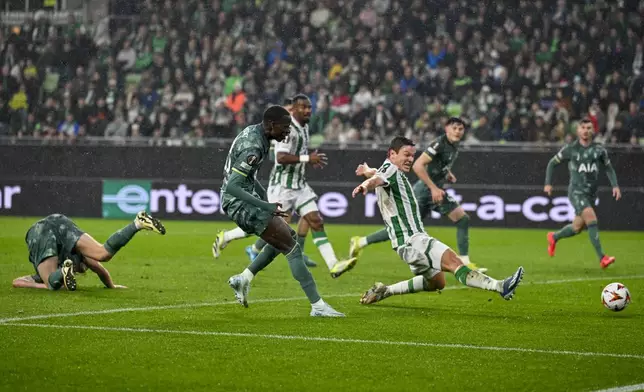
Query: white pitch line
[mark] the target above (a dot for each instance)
(625, 388)
(332, 340)
(271, 300)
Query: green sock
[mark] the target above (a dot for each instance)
(378, 236)
(565, 232)
(263, 259)
(56, 279)
(593, 233)
(259, 245)
(477, 279)
(120, 238)
(300, 241)
(463, 235)
(461, 274)
(302, 274)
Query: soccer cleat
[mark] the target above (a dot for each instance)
(325, 311)
(68, 275)
(376, 293)
(148, 222)
(309, 263)
(240, 286)
(249, 252)
(219, 245)
(606, 261)
(354, 247)
(343, 266)
(511, 283)
(552, 243)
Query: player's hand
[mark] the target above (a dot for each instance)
(318, 159)
(360, 189)
(362, 169)
(277, 211)
(617, 193)
(451, 177)
(437, 194)
(548, 189)
(119, 286)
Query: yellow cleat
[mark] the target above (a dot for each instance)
(354, 247)
(148, 222)
(68, 275)
(343, 266)
(219, 245)
(475, 267)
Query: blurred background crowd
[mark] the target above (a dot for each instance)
(182, 71)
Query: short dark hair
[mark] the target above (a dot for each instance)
(300, 97)
(399, 142)
(456, 120)
(585, 120)
(288, 101)
(277, 114)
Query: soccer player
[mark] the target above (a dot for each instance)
(288, 186)
(434, 168)
(427, 257)
(55, 241)
(244, 201)
(585, 158)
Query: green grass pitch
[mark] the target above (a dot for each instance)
(177, 326)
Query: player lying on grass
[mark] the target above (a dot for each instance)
(585, 158)
(244, 201)
(434, 168)
(57, 247)
(426, 256)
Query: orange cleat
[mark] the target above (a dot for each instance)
(552, 244)
(606, 261)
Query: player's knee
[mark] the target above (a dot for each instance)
(464, 221)
(315, 221)
(103, 255)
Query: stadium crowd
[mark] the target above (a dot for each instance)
(179, 72)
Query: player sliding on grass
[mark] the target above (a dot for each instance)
(427, 257)
(584, 157)
(433, 168)
(57, 247)
(244, 201)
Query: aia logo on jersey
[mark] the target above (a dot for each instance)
(587, 168)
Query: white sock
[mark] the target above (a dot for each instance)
(247, 274)
(362, 242)
(318, 305)
(482, 281)
(326, 250)
(412, 285)
(232, 235)
(465, 259)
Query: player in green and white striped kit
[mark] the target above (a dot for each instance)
(426, 256)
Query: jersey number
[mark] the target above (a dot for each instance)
(384, 167)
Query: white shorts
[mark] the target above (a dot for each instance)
(423, 254)
(302, 201)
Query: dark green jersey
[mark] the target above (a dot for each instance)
(245, 157)
(443, 154)
(584, 164)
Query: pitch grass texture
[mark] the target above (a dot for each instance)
(554, 335)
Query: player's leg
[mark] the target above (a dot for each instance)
(223, 238)
(29, 282)
(57, 277)
(43, 245)
(302, 232)
(358, 243)
(441, 254)
(89, 247)
(579, 203)
(281, 239)
(590, 221)
(458, 215)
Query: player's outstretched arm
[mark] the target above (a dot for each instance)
(612, 176)
(315, 158)
(368, 185)
(420, 168)
(28, 282)
(102, 272)
(563, 154)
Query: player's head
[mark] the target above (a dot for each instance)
(277, 121)
(288, 104)
(301, 108)
(402, 152)
(455, 129)
(585, 129)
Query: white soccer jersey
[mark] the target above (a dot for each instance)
(297, 143)
(398, 205)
